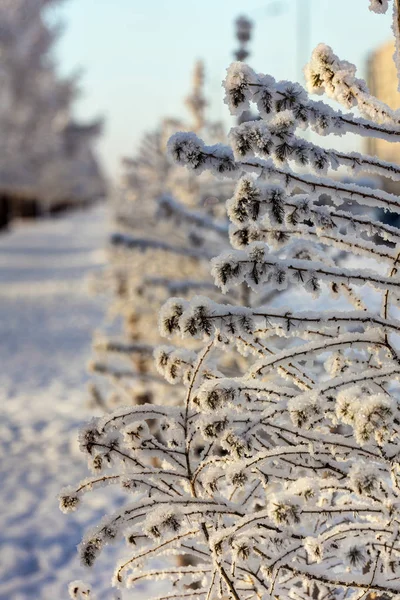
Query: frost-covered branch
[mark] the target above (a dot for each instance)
(188, 150)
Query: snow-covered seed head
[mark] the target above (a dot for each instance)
(213, 430)
(212, 399)
(284, 511)
(314, 549)
(292, 97)
(78, 590)
(241, 550)
(241, 140)
(319, 69)
(88, 438)
(226, 271)
(218, 547)
(304, 410)
(69, 502)
(378, 6)
(198, 321)
(239, 477)
(186, 149)
(237, 84)
(97, 463)
(249, 139)
(170, 314)
(240, 237)
(282, 126)
(109, 532)
(162, 356)
(174, 364)
(347, 404)
(370, 415)
(235, 445)
(134, 433)
(355, 556)
(90, 550)
(161, 521)
(275, 201)
(378, 414)
(364, 478)
(245, 204)
(327, 73)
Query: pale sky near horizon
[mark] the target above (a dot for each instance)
(137, 55)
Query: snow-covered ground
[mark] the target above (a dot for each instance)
(47, 319)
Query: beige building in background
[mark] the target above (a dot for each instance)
(382, 82)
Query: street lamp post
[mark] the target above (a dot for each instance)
(243, 34)
(303, 19)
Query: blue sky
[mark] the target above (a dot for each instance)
(137, 55)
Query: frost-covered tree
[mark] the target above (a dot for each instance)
(45, 156)
(168, 225)
(196, 101)
(282, 481)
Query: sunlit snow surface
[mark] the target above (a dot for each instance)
(47, 319)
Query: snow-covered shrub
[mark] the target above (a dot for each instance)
(282, 481)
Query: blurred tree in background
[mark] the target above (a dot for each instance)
(168, 225)
(47, 159)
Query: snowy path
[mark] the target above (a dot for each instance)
(46, 323)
